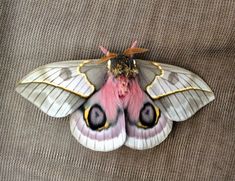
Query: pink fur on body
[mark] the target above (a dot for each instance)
(124, 93)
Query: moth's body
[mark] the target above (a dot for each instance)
(118, 101)
(122, 65)
(123, 81)
(124, 72)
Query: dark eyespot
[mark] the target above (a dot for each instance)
(96, 117)
(173, 78)
(148, 115)
(65, 74)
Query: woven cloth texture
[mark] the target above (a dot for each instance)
(196, 35)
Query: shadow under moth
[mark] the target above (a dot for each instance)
(116, 100)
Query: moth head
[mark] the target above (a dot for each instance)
(122, 64)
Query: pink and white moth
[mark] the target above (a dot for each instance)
(117, 100)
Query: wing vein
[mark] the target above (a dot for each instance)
(161, 103)
(36, 79)
(177, 99)
(200, 87)
(169, 100)
(194, 90)
(60, 94)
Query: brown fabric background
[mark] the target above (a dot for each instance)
(197, 35)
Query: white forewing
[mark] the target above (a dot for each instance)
(58, 89)
(179, 93)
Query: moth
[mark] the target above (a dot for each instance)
(117, 100)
